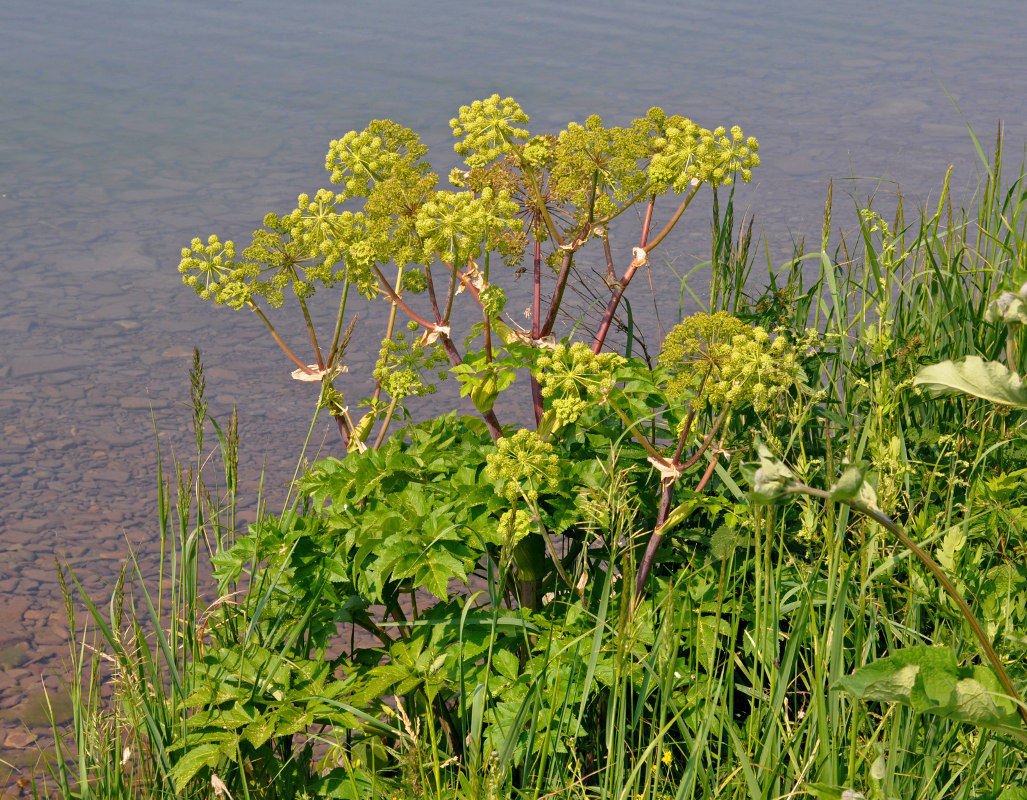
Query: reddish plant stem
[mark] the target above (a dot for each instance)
(655, 540)
(648, 221)
(487, 325)
(561, 281)
(661, 517)
(674, 219)
(395, 298)
(431, 294)
(629, 273)
(343, 426)
(281, 343)
(536, 329)
(610, 271)
(611, 307)
(536, 289)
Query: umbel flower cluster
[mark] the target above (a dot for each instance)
(511, 176)
(522, 464)
(724, 362)
(388, 214)
(401, 366)
(576, 379)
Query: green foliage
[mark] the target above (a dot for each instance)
(928, 680)
(989, 380)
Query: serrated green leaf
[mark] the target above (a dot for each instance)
(506, 664)
(260, 730)
(194, 759)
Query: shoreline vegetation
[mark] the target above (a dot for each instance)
(784, 556)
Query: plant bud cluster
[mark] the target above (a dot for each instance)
(576, 379)
(723, 362)
(487, 129)
(522, 464)
(401, 364)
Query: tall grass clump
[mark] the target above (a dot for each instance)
(764, 564)
(133, 661)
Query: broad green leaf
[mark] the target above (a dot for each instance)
(345, 783)
(974, 376)
(724, 541)
(260, 730)
(892, 685)
(292, 721)
(929, 680)
(506, 664)
(194, 759)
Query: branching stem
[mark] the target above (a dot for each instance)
(274, 334)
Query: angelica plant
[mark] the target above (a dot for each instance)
(523, 200)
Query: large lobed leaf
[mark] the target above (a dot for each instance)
(974, 376)
(929, 680)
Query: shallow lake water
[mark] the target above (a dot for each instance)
(128, 127)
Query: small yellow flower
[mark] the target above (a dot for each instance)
(667, 758)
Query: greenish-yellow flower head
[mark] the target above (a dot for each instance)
(719, 360)
(522, 464)
(487, 129)
(574, 378)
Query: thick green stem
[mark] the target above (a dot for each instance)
(334, 352)
(385, 423)
(313, 336)
(274, 334)
(486, 322)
